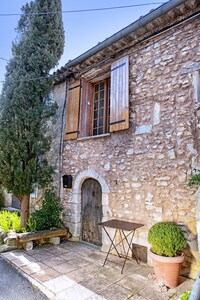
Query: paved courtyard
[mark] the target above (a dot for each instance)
(74, 271)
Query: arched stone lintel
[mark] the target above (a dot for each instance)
(76, 197)
(90, 173)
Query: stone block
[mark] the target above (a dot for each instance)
(107, 167)
(54, 240)
(11, 241)
(28, 246)
(2, 237)
(156, 114)
(143, 129)
(136, 184)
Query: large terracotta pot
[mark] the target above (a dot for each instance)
(166, 269)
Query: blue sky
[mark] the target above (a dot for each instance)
(82, 30)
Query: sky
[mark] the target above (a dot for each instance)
(82, 30)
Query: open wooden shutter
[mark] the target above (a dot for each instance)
(85, 106)
(72, 115)
(119, 95)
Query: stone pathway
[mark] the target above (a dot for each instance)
(74, 271)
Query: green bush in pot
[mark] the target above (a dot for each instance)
(166, 239)
(167, 242)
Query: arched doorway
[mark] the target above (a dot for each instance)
(91, 211)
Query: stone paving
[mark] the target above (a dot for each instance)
(74, 271)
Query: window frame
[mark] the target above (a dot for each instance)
(80, 103)
(106, 116)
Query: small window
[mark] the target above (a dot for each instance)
(101, 107)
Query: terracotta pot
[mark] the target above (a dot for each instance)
(167, 269)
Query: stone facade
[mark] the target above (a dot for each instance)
(144, 170)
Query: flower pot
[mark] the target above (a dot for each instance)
(167, 269)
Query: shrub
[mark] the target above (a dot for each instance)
(15, 222)
(31, 223)
(185, 295)
(49, 215)
(9, 220)
(195, 178)
(166, 239)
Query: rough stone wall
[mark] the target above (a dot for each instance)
(147, 167)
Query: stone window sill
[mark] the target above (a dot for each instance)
(93, 137)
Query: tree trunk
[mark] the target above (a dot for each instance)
(24, 210)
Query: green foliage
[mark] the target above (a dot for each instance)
(49, 215)
(25, 104)
(185, 295)
(195, 179)
(166, 239)
(31, 223)
(9, 220)
(15, 222)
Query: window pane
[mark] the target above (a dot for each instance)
(96, 96)
(95, 132)
(95, 123)
(95, 114)
(102, 86)
(95, 105)
(102, 94)
(100, 131)
(101, 113)
(96, 88)
(101, 103)
(101, 122)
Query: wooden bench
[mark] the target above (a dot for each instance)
(27, 239)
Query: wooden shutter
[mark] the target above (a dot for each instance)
(85, 107)
(119, 95)
(72, 114)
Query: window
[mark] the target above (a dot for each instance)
(101, 107)
(101, 102)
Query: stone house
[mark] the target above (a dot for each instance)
(127, 130)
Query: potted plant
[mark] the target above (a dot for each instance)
(167, 242)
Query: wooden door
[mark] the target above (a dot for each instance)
(91, 211)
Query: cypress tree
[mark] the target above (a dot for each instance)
(25, 104)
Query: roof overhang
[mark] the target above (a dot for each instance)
(153, 22)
